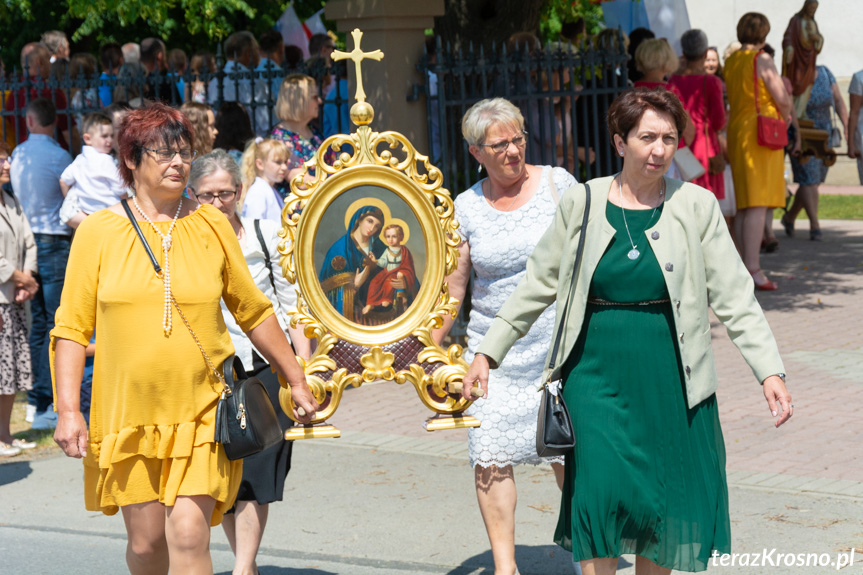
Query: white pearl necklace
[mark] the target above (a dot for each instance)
(166, 269)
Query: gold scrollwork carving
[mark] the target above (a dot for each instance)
(390, 161)
(378, 364)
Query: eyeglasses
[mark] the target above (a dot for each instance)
(165, 155)
(224, 196)
(501, 147)
(6, 160)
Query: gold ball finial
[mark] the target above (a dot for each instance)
(362, 113)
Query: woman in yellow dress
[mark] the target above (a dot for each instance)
(758, 172)
(150, 448)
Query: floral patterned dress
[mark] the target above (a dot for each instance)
(818, 109)
(304, 149)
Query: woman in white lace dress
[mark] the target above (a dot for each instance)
(501, 220)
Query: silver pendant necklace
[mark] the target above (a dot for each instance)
(634, 253)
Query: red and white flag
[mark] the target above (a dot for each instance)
(314, 25)
(293, 30)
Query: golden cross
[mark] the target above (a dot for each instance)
(357, 55)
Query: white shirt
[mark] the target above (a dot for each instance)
(36, 167)
(231, 87)
(391, 258)
(284, 298)
(856, 88)
(263, 202)
(95, 180)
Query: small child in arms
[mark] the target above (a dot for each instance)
(398, 266)
(92, 182)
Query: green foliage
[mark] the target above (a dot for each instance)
(10, 7)
(559, 12)
(211, 18)
(189, 24)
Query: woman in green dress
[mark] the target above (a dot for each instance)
(647, 474)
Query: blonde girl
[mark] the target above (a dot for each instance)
(264, 164)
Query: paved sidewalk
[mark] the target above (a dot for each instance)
(390, 498)
(817, 320)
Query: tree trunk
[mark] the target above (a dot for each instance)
(483, 22)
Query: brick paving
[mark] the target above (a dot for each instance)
(817, 321)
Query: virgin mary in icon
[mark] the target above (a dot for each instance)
(368, 273)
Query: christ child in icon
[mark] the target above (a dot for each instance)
(397, 279)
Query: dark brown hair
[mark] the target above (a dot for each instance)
(753, 28)
(626, 111)
(95, 119)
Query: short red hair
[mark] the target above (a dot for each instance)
(151, 127)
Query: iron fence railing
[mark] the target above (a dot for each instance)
(562, 91)
(76, 95)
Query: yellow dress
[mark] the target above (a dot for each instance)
(759, 174)
(152, 418)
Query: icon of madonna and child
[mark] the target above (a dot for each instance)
(369, 274)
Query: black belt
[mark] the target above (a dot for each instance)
(598, 301)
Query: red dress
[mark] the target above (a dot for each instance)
(652, 85)
(18, 101)
(381, 292)
(701, 95)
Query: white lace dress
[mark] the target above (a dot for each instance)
(500, 244)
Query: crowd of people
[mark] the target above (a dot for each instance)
(200, 181)
(723, 96)
(206, 184)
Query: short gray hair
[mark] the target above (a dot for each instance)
(694, 44)
(209, 164)
(485, 114)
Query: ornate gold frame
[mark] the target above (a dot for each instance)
(402, 350)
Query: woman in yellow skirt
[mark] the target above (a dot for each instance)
(150, 449)
(758, 171)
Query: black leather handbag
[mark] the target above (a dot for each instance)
(554, 432)
(246, 422)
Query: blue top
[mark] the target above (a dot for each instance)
(181, 88)
(106, 96)
(36, 168)
(820, 104)
(335, 113)
(277, 72)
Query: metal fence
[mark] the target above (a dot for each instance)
(77, 95)
(563, 93)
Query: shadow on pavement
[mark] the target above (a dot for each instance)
(12, 472)
(808, 272)
(538, 560)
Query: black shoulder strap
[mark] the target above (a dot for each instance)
(266, 251)
(144, 241)
(552, 362)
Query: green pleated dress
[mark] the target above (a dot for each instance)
(647, 475)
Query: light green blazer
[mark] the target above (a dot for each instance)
(700, 265)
